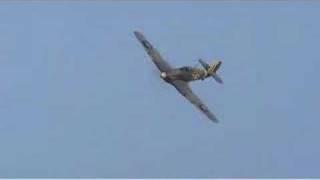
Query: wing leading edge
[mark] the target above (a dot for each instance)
(162, 65)
(185, 90)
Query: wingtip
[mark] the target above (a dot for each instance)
(215, 120)
(138, 35)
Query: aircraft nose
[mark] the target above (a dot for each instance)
(163, 75)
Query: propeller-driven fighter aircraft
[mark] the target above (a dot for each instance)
(180, 77)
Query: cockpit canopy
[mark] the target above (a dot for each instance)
(186, 68)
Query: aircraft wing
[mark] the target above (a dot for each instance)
(184, 89)
(162, 65)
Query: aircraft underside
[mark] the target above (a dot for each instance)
(192, 74)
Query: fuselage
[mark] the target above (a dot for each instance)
(184, 74)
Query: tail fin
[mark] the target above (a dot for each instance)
(212, 69)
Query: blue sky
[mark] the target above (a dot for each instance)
(81, 98)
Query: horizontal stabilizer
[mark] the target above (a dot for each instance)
(217, 78)
(204, 64)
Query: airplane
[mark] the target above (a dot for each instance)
(180, 77)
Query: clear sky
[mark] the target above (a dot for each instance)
(81, 98)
